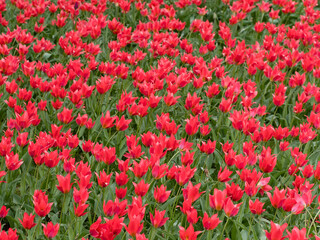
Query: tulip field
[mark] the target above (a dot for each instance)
(159, 119)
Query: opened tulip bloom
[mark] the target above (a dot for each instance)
(50, 230)
(64, 183)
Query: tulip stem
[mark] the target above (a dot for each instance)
(201, 235)
(48, 174)
(8, 180)
(224, 227)
(209, 236)
(36, 174)
(63, 203)
(275, 214)
(23, 185)
(313, 221)
(112, 137)
(124, 234)
(108, 169)
(283, 221)
(175, 202)
(151, 233)
(36, 229)
(97, 136)
(173, 156)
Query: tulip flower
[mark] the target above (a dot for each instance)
(64, 183)
(50, 230)
(4, 211)
(256, 207)
(276, 231)
(210, 223)
(158, 220)
(160, 194)
(189, 233)
(27, 221)
(13, 162)
(40, 202)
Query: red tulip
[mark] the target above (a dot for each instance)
(189, 233)
(192, 125)
(65, 116)
(277, 198)
(121, 192)
(192, 192)
(28, 221)
(210, 223)
(231, 209)
(64, 183)
(122, 124)
(276, 231)
(297, 234)
(158, 220)
(141, 188)
(41, 205)
(13, 162)
(256, 207)
(192, 216)
(104, 179)
(234, 191)
(217, 200)
(4, 211)
(135, 226)
(22, 139)
(107, 121)
(79, 211)
(267, 161)
(160, 194)
(50, 230)
(223, 176)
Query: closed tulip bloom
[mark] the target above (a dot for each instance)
(121, 192)
(22, 139)
(121, 178)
